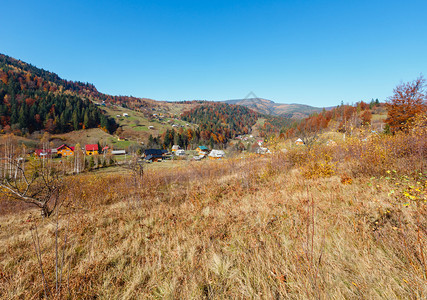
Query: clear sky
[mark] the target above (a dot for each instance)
(311, 52)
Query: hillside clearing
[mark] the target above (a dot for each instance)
(305, 224)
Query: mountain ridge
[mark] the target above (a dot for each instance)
(90, 92)
(269, 107)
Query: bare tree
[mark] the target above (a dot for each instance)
(136, 165)
(38, 183)
(309, 132)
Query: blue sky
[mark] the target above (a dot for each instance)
(312, 52)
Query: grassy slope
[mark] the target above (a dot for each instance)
(136, 125)
(90, 136)
(83, 137)
(228, 229)
(138, 131)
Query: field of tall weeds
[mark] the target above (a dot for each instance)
(343, 221)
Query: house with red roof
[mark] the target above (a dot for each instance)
(42, 152)
(92, 149)
(64, 150)
(106, 150)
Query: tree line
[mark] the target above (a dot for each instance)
(221, 121)
(52, 82)
(28, 102)
(344, 116)
(409, 100)
(217, 124)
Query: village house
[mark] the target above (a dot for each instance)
(92, 149)
(216, 154)
(202, 150)
(299, 142)
(175, 148)
(42, 152)
(106, 150)
(154, 154)
(64, 150)
(118, 152)
(180, 152)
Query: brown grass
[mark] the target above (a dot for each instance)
(83, 137)
(247, 228)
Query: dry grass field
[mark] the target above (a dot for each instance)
(83, 137)
(344, 222)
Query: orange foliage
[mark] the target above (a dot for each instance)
(409, 99)
(366, 117)
(30, 101)
(3, 77)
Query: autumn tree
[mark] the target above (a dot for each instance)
(308, 131)
(135, 164)
(220, 122)
(28, 104)
(38, 183)
(366, 117)
(79, 159)
(408, 100)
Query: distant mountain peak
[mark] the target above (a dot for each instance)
(270, 107)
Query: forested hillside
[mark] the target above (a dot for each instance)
(87, 90)
(343, 118)
(216, 125)
(221, 121)
(33, 99)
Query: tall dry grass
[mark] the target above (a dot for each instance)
(281, 226)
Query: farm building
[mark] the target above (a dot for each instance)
(216, 154)
(299, 142)
(118, 152)
(42, 152)
(202, 150)
(180, 152)
(65, 150)
(154, 154)
(92, 149)
(175, 148)
(106, 150)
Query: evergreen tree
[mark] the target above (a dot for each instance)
(22, 119)
(86, 120)
(75, 120)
